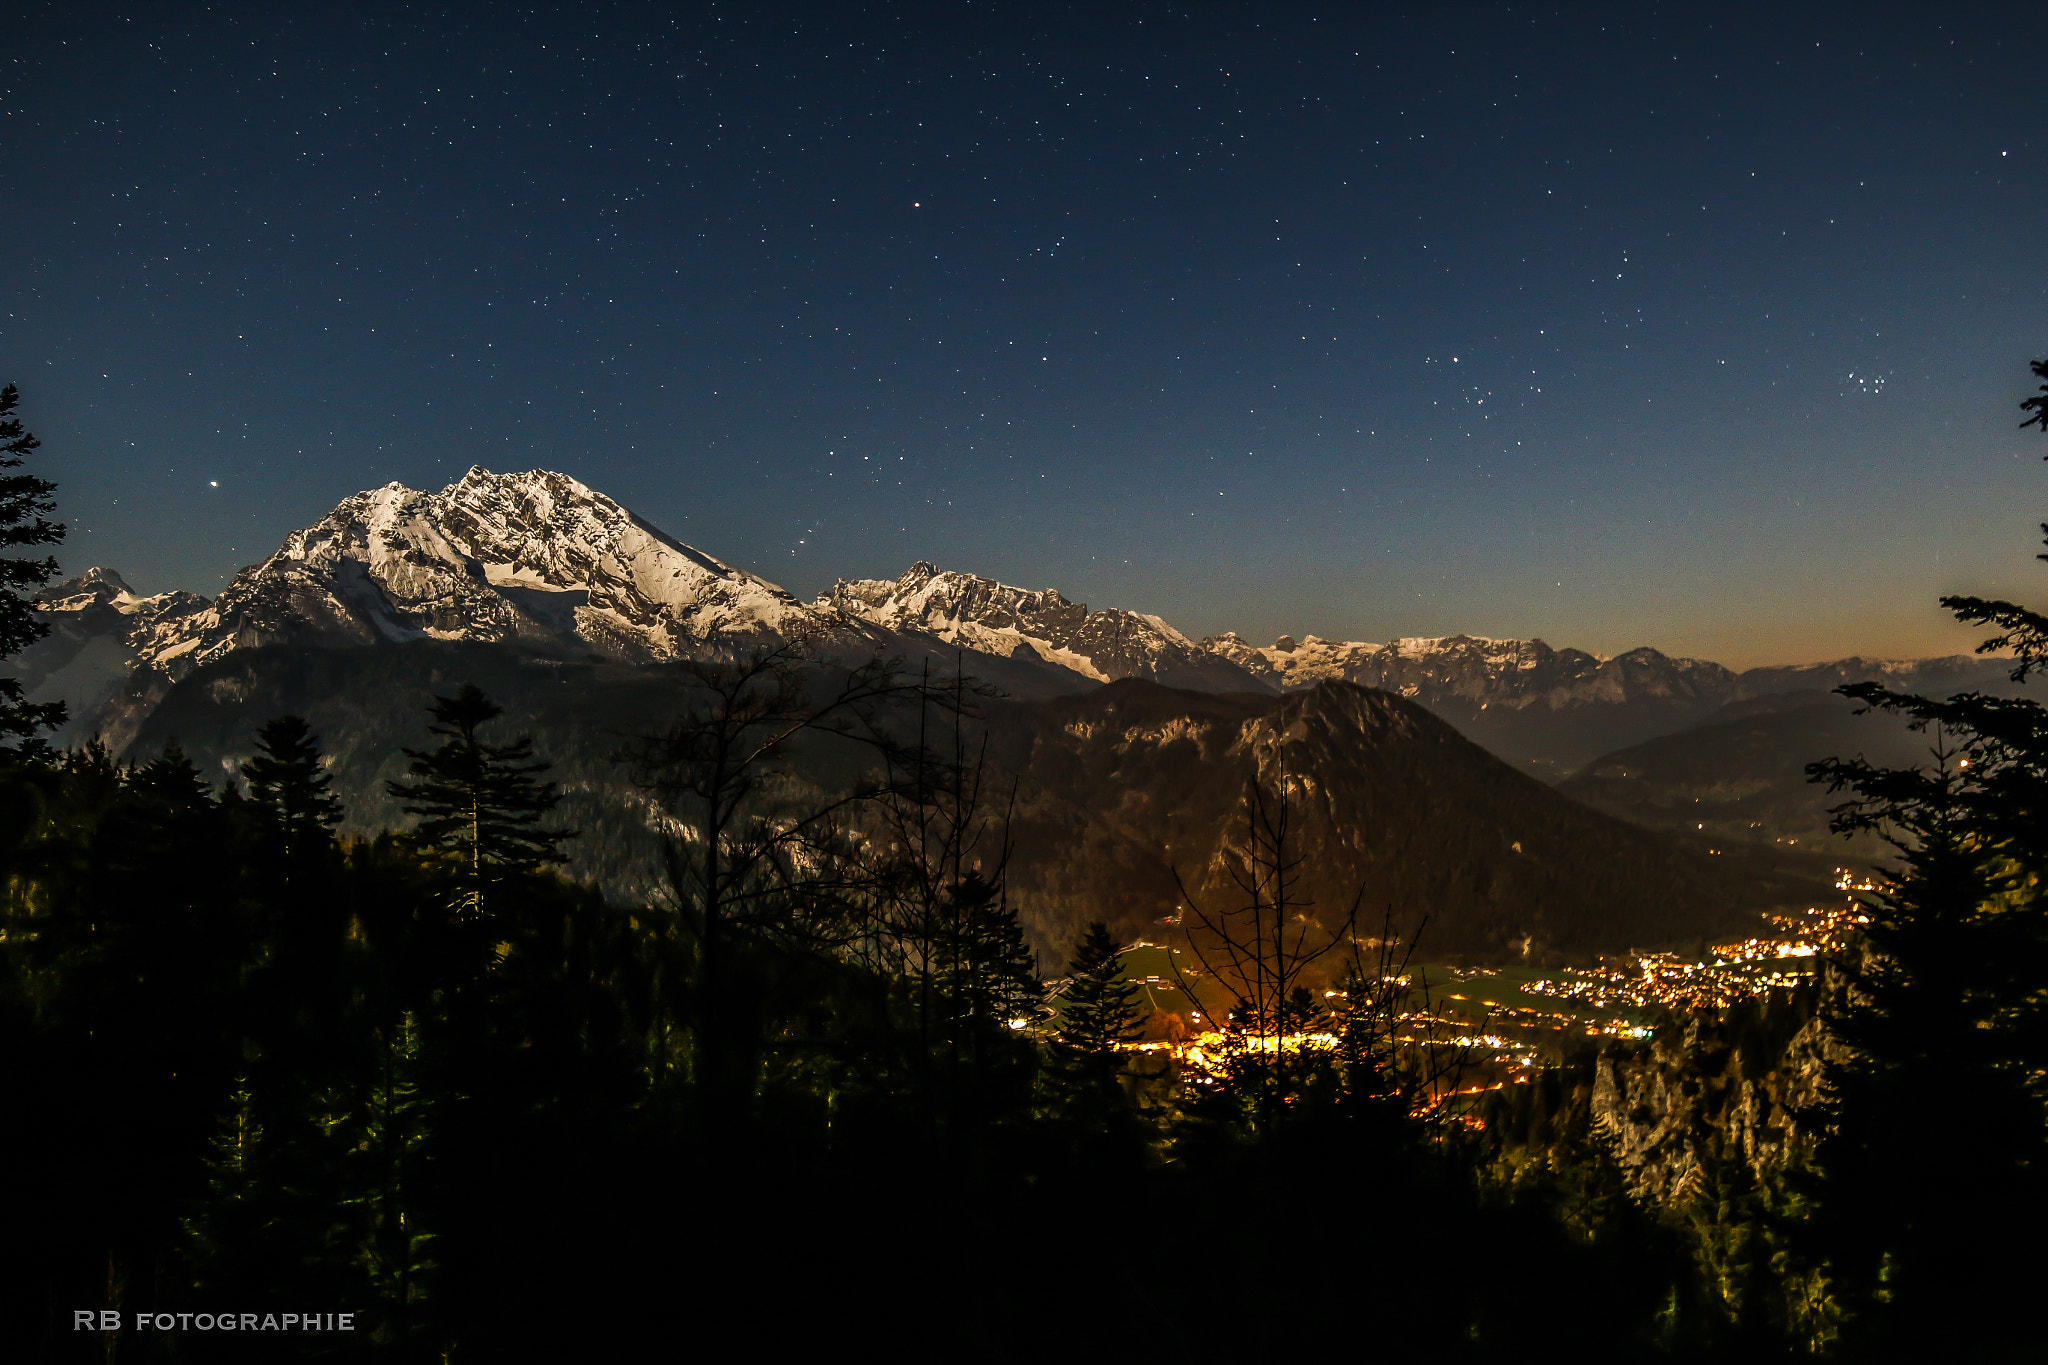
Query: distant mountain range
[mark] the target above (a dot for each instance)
(1739, 775)
(1557, 709)
(1127, 743)
(537, 560)
(542, 561)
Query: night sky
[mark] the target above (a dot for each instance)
(1686, 326)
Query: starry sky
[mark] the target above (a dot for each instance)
(1700, 327)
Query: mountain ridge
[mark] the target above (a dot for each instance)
(1137, 789)
(537, 559)
(1102, 644)
(541, 560)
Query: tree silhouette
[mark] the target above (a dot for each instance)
(235, 1221)
(747, 866)
(2038, 404)
(481, 802)
(1098, 1015)
(1276, 1037)
(25, 501)
(286, 778)
(171, 781)
(1949, 998)
(390, 1134)
(989, 979)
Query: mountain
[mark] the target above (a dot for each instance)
(537, 560)
(565, 607)
(1940, 677)
(1121, 788)
(100, 629)
(1532, 704)
(1554, 710)
(1741, 773)
(368, 703)
(994, 618)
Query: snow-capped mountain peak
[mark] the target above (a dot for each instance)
(96, 587)
(535, 557)
(995, 618)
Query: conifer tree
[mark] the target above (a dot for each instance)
(392, 1131)
(482, 802)
(1951, 1000)
(286, 778)
(171, 781)
(985, 996)
(1099, 1014)
(234, 1220)
(25, 501)
(995, 973)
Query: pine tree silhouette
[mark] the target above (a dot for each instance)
(171, 782)
(392, 1134)
(1098, 1015)
(286, 778)
(985, 996)
(1951, 999)
(481, 802)
(24, 502)
(993, 973)
(235, 1221)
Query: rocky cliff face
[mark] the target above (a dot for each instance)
(981, 614)
(1713, 1096)
(1703, 1088)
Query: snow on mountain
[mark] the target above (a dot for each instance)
(1472, 668)
(1521, 698)
(537, 558)
(995, 618)
(540, 560)
(1557, 708)
(93, 588)
(99, 628)
(1478, 671)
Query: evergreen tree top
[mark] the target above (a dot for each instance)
(1099, 1011)
(481, 801)
(25, 501)
(2038, 404)
(24, 498)
(172, 779)
(288, 777)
